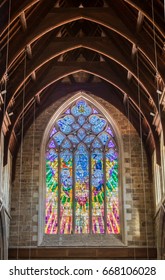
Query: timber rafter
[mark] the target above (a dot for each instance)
(121, 42)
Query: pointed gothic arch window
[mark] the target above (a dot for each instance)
(82, 173)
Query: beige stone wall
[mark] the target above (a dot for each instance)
(137, 189)
(160, 232)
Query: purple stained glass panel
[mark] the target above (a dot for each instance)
(52, 144)
(67, 112)
(111, 144)
(54, 130)
(109, 130)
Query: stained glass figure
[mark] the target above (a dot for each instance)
(51, 211)
(81, 190)
(66, 193)
(82, 174)
(112, 192)
(97, 192)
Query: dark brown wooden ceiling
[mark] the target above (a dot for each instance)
(113, 49)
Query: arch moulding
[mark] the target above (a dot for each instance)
(79, 240)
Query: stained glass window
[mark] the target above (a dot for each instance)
(82, 174)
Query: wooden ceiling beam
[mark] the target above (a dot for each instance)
(37, 15)
(134, 51)
(23, 21)
(102, 90)
(140, 21)
(56, 73)
(17, 8)
(33, 76)
(29, 51)
(102, 46)
(105, 17)
(21, 6)
(145, 8)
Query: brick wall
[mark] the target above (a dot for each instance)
(139, 226)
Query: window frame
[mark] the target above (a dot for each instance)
(58, 239)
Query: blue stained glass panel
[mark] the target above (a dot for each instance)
(104, 137)
(65, 124)
(51, 155)
(87, 126)
(66, 144)
(81, 120)
(89, 139)
(94, 119)
(66, 129)
(99, 127)
(112, 155)
(96, 144)
(81, 108)
(69, 119)
(81, 133)
(59, 137)
(74, 139)
(75, 126)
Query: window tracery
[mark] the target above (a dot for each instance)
(82, 174)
